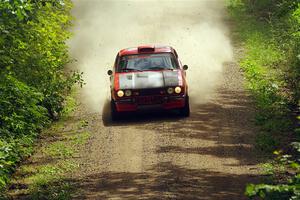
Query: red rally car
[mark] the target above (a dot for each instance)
(148, 77)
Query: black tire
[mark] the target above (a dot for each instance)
(185, 111)
(115, 115)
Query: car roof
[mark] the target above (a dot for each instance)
(146, 49)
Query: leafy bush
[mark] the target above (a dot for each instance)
(33, 80)
(21, 111)
(21, 117)
(33, 49)
(285, 187)
(270, 33)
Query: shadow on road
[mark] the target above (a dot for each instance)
(219, 131)
(138, 118)
(164, 181)
(226, 122)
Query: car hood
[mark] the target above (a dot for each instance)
(148, 79)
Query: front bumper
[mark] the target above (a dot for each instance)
(168, 103)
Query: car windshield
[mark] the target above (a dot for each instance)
(147, 62)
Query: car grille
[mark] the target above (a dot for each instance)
(147, 92)
(146, 100)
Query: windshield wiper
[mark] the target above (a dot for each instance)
(131, 69)
(158, 68)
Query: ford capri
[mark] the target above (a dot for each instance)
(148, 77)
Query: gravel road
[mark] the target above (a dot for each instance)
(209, 155)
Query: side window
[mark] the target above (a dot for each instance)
(116, 62)
(177, 59)
(122, 64)
(176, 54)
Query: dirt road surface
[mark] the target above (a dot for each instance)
(209, 155)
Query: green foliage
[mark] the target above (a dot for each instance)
(265, 76)
(70, 104)
(60, 150)
(21, 111)
(21, 117)
(66, 148)
(33, 81)
(270, 33)
(33, 47)
(48, 179)
(271, 192)
(56, 190)
(264, 141)
(80, 139)
(288, 186)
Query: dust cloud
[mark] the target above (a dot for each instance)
(195, 28)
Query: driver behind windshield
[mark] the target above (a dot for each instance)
(142, 64)
(158, 63)
(147, 62)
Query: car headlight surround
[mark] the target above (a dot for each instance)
(177, 90)
(128, 93)
(120, 93)
(170, 90)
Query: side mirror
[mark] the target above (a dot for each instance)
(185, 67)
(109, 72)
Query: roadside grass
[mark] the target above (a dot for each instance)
(59, 150)
(70, 104)
(260, 64)
(48, 181)
(269, 33)
(45, 175)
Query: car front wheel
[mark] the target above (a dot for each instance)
(185, 111)
(115, 115)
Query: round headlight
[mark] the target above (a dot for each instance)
(178, 90)
(128, 93)
(120, 93)
(170, 90)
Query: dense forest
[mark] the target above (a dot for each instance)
(33, 79)
(269, 32)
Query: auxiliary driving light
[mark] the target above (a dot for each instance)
(170, 90)
(177, 90)
(120, 93)
(128, 93)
